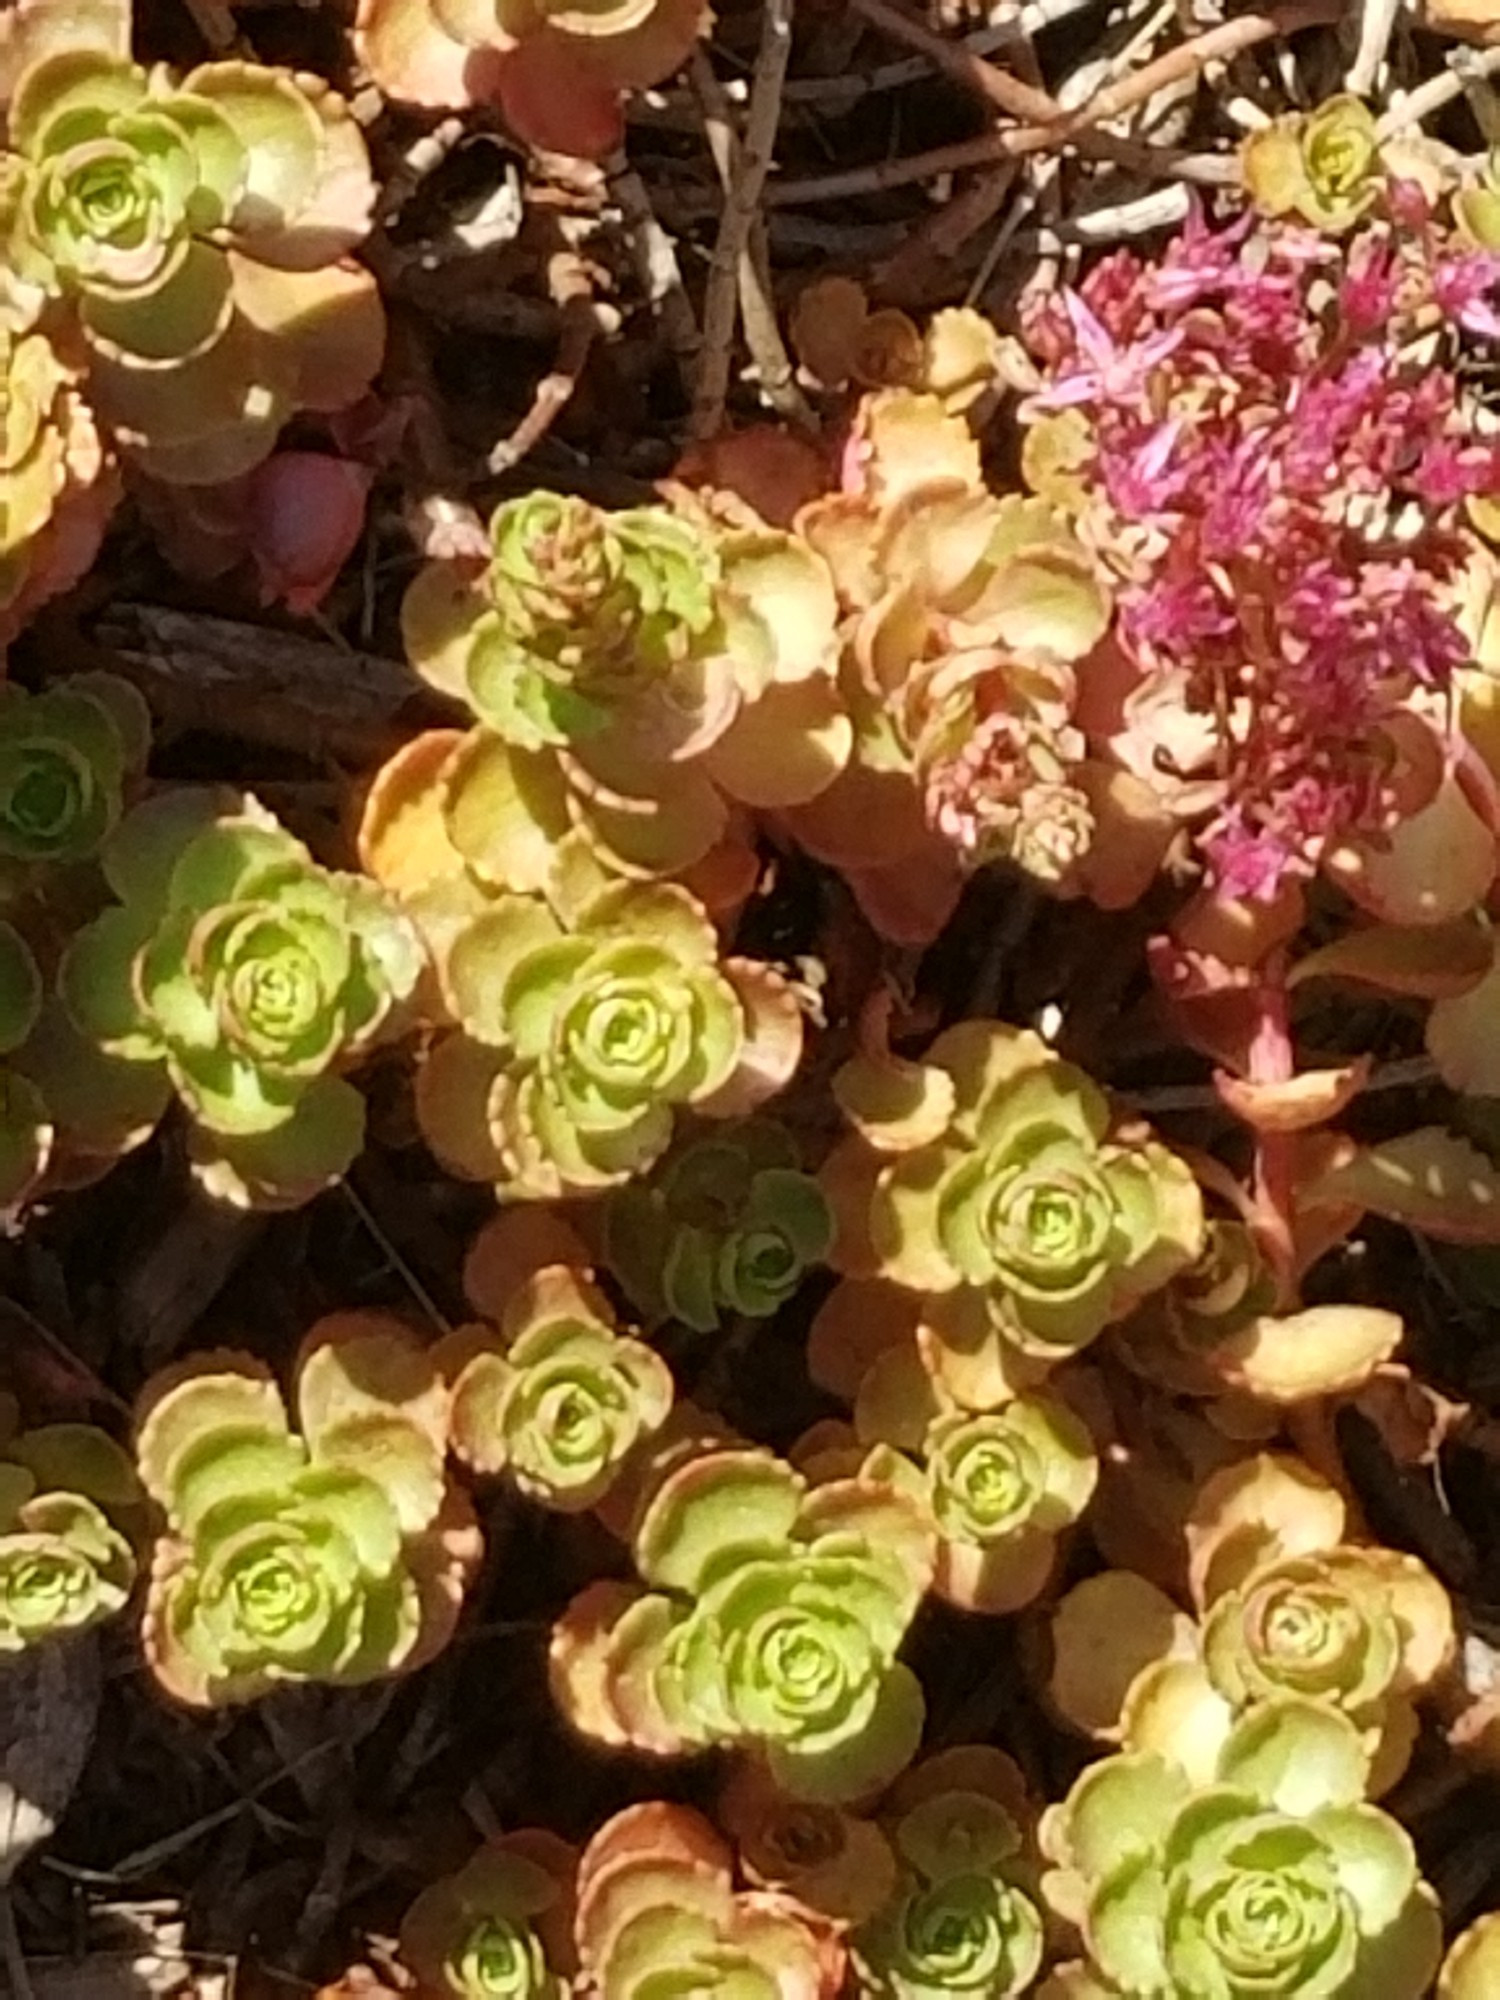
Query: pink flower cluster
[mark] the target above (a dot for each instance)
(1275, 465)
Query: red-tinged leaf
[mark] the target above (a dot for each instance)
(1420, 961)
(1215, 1007)
(1430, 1179)
(555, 98)
(1297, 1102)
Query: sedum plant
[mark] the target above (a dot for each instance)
(1287, 1606)
(251, 977)
(964, 1917)
(640, 677)
(1263, 1873)
(1322, 166)
(727, 1225)
(500, 1927)
(68, 1503)
(967, 614)
(999, 1488)
(70, 759)
(336, 1553)
(835, 1864)
(556, 1398)
(582, 1038)
(1255, 683)
(556, 71)
(28, 1133)
(772, 1624)
(991, 1180)
(659, 1913)
(196, 233)
(58, 484)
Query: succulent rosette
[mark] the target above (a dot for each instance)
(500, 1927)
(57, 482)
(773, 1625)
(1364, 1630)
(200, 232)
(27, 1124)
(66, 1490)
(252, 976)
(559, 1398)
(583, 617)
(68, 757)
(730, 1225)
(1349, 1625)
(967, 616)
(582, 1040)
(1002, 1486)
(636, 676)
(338, 1555)
(659, 1913)
(557, 69)
(964, 1917)
(1322, 166)
(1264, 1874)
(999, 1487)
(992, 1178)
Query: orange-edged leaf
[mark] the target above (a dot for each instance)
(1296, 1102)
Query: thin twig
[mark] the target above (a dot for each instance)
(773, 365)
(656, 259)
(828, 92)
(423, 157)
(741, 205)
(1006, 92)
(1048, 119)
(928, 250)
(580, 325)
(214, 20)
(583, 319)
(395, 1259)
(1464, 67)
(1376, 22)
(1219, 44)
(1008, 143)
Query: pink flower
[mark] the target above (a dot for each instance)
(1462, 284)
(1277, 491)
(1105, 372)
(1367, 293)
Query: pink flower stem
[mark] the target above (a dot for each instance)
(1272, 1061)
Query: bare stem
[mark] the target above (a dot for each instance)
(741, 205)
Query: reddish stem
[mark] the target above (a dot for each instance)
(1272, 1060)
